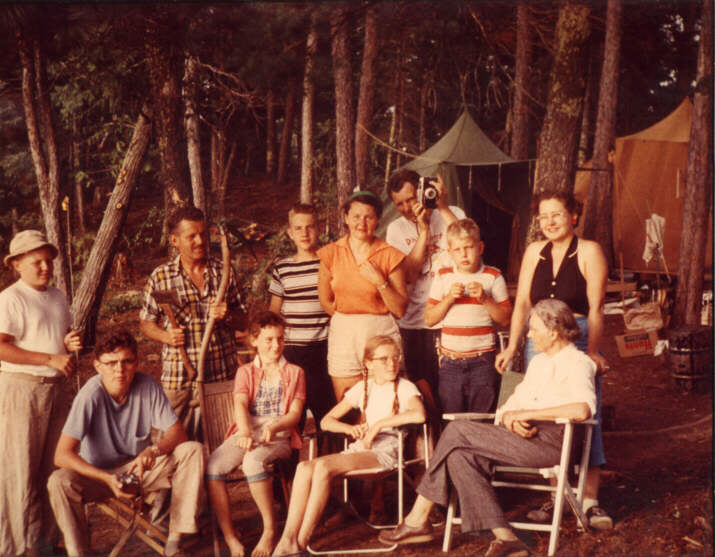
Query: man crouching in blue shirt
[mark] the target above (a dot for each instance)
(108, 432)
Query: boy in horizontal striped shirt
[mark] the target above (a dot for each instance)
(467, 297)
(294, 296)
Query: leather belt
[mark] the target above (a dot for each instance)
(463, 355)
(34, 378)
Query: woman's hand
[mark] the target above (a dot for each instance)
(371, 273)
(267, 434)
(501, 362)
(601, 362)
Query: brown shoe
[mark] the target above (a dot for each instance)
(404, 534)
(503, 548)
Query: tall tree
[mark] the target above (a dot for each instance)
(165, 62)
(306, 158)
(193, 137)
(366, 94)
(287, 133)
(41, 136)
(597, 223)
(697, 199)
(85, 307)
(559, 134)
(344, 119)
(270, 132)
(520, 123)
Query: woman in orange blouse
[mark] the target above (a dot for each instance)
(362, 286)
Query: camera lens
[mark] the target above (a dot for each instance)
(430, 193)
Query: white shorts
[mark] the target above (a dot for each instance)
(384, 446)
(348, 335)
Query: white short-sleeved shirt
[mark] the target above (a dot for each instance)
(381, 397)
(467, 326)
(402, 234)
(564, 378)
(38, 320)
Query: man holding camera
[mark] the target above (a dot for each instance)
(419, 233)
(106, 448)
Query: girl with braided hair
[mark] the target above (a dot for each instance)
(385, 400)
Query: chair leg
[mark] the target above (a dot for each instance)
(449, 521)
(214, 535)
(123, 539)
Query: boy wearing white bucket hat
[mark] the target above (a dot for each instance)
(35, 346)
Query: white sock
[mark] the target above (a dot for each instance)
(589, 502)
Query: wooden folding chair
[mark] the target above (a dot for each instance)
(401, 470)
(563, 490)
(217, 412)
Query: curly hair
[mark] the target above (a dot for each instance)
(114, 340)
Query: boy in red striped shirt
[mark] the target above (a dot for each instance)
(467, 297)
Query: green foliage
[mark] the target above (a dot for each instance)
(148, 233)
(121, 303)
(81, 247)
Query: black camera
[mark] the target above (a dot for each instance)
(427, 194)
(130, 483)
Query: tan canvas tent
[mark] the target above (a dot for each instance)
(649, 177)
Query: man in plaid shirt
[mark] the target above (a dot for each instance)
(195, 278)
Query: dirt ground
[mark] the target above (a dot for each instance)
(657, 484)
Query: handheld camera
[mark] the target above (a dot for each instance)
(427, 194)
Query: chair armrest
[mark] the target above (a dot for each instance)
(570, 421)
(468, 416)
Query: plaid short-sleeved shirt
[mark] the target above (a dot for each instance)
(193, 313)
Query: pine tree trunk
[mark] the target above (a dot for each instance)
(43, 148)
(366, 95)
(597, 223)
(559, 133)
(520, 124)
(344, 118)
(286, 135)
(306, 159)
(697, 199)
(193, 137)
(270, 132)
(96, 273)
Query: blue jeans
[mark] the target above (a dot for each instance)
(598, 454)
(468, 385)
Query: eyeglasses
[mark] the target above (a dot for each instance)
(116, 363)
(556, 215)
(384, 359)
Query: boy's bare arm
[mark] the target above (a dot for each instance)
(434, 313)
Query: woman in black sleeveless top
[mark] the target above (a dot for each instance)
(574, 270)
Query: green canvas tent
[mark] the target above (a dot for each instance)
(488, 184)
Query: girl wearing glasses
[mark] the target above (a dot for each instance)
(385, 401)
(573, 270)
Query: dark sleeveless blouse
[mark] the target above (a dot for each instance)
(569, 285)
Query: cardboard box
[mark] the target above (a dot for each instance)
(639, 343)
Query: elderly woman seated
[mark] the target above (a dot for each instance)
(559, 383)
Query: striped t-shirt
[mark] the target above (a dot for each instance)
(467, 326)
(297, 284)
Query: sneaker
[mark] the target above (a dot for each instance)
(503, 548)
(543, 513)
(598, 519)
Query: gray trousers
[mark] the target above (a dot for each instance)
(465, 456)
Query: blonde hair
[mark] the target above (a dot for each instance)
(464, 227)
(371, 347)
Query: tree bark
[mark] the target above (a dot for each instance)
(366, 95)
(306, 160)
(559, 134)
(344, 118)
(270, 133)
(597, 223)
(193, 137)
(165, 64)
(286, 135)
(96, 273)
(78, 189)
(586, 123)
(43, 148)
(520, 124)
(697, 198)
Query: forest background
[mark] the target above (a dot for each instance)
(110, 107)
